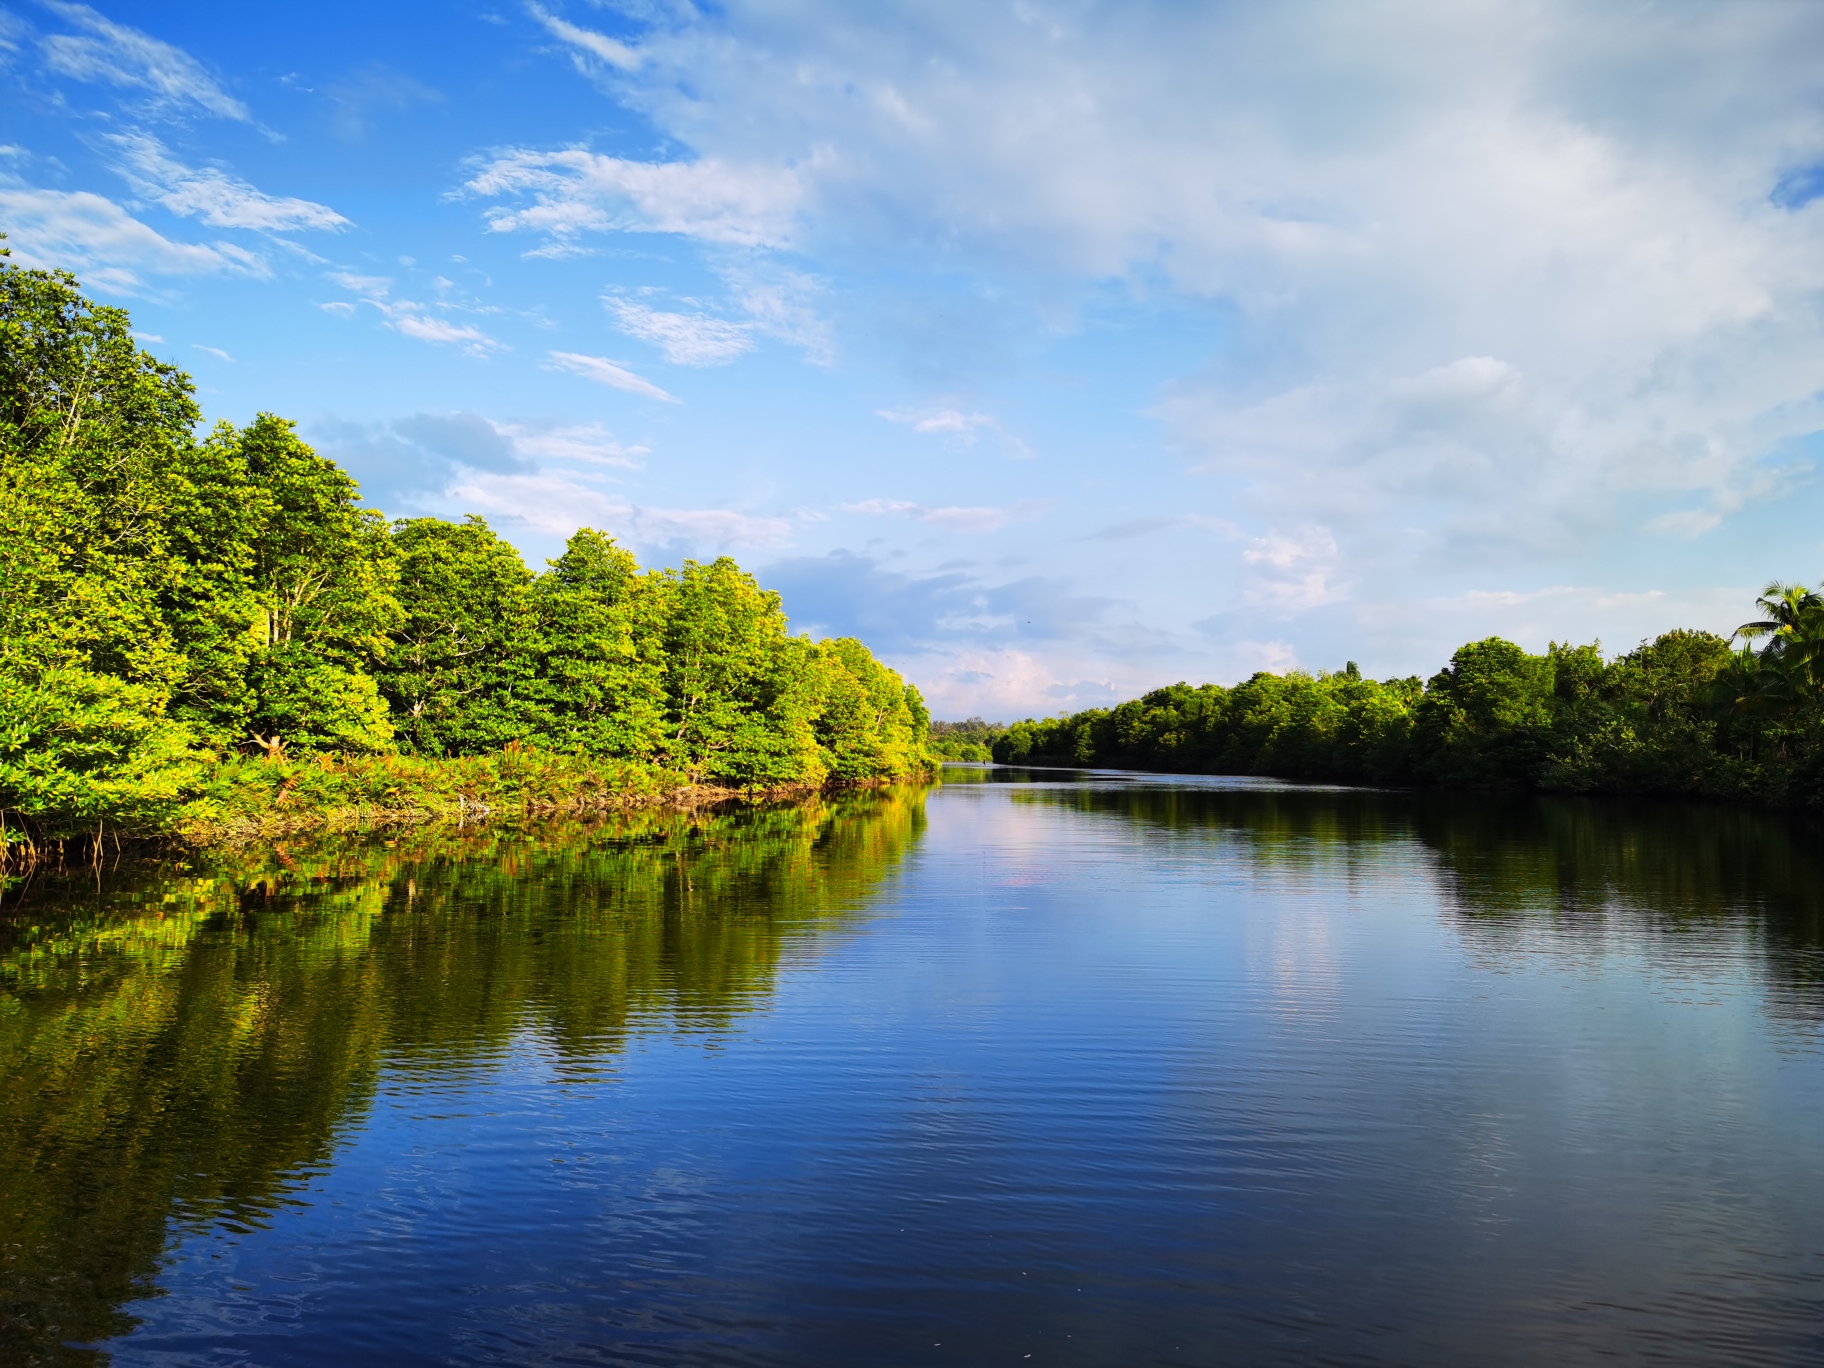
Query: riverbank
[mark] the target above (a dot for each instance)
(242, 799)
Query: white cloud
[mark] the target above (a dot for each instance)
(1562, 612)
(575, 191)
(956, 518)
(882, 507)
(122, 56)
(482, 443)
(588, 444)
(362, 96)
(105, 245)
(1292, 573)
(408, 318)
(685, 339)
(551, 504)
(374, 287)
(216, 352)
(212, 194)
(588, 42)
(412, 321)
(605, 372)
(957, 428)
(782, 303)
(1003, 684)
(1687, 523)
(947, 422)
(1535, 283)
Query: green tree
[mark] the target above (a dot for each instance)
(92, 430)
(164, 601)
(971, 739)
(1641, 723)
(326, 578)
(1486, 720)
(869, 721)
(211, 600)
(459, 663)
(598, 674)
(738, 697)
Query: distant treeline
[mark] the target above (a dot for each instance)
(169, 604)
(1684, 714)
(970, 740)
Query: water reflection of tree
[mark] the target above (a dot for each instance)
(1515, 866)
(185, 1045)
(1274, 822)
(1579, 867)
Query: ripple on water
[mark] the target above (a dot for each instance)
(1137, 1072)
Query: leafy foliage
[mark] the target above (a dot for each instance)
(169, 605)
(971, 740)
(1683, 714)
(454, 680)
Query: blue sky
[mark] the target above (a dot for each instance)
(1057, 350)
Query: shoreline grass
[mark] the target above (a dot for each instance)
(244, 799)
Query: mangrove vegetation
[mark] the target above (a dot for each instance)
(199, 632)
(1685, 714)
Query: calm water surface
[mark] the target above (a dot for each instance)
(1030, 1067)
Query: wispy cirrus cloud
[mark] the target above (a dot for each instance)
(483, 443)
(1130, 529)
(947, 422)
(606, 372)
(105, 51)
(960, 519)
(588, 48)
(377, 287)
(407, 317)
(956, 427)
(575, 191)
(108, 247)
(363, 95)
(783, 303)
(414, 320)
(210, 193)
(683, 339)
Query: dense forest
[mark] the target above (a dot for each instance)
(1683, 714)
(190, 623)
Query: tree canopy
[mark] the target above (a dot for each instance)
(1682, 714)
(167, 602)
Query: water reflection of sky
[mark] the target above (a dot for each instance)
(1103, 1071)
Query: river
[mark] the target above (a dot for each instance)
(1029, 1067)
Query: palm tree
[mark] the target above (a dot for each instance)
(1794, 620)
(1786, 606)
